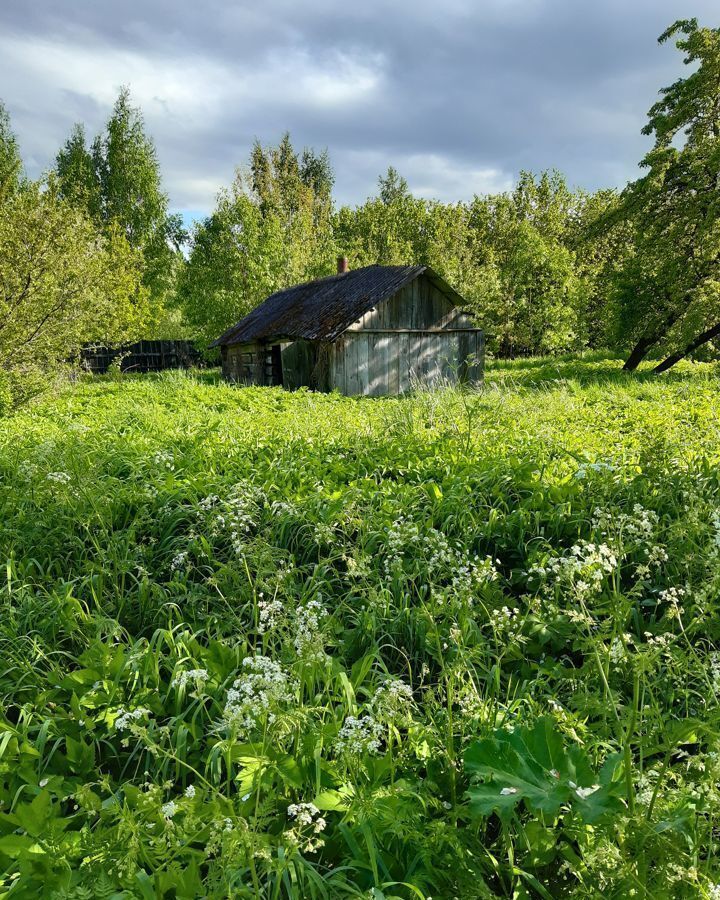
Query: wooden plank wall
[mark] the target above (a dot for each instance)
(418, 305)
(415, 338)
(375, 363)
(252, 364)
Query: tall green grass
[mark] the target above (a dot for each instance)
(459, 644)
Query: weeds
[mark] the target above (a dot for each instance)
(260, 644)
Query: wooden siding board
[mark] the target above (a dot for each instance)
(362, 365)
(374, 363)
(393, 364)
(338, 378)
(352, 382)
(403, 363)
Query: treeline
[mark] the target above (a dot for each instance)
(91, 253)
(88, 253)
(521, 259)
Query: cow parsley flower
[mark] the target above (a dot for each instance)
(308, 627)
(358, 736)
(391, 700)
(164, 460)
(715, 670)
(207, 503)
(269, 611)
(307, 816)
(58, 477)
(257, 694)
(197, 676)
(190, 791)
(169, 809)
(179, 561)
(585, 567)
(126, 718)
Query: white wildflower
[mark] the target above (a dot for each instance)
(257, 694)
(391, 700)
(269, 611)
(169, 809)
(715, 519)
(179, 561)
(715, 670)
(190, 791)
(164, 459)
(358, 736)
(308, 630)
(126, 718)
(197, 676)
(617, 652)
(58, 477)
(307, 814)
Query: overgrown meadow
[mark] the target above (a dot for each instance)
(455, 645)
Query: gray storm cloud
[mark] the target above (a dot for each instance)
(458, 96)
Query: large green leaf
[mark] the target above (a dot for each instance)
(533, 766)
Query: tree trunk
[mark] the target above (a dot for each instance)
(693, 345)
(640, 350)
(639, 353)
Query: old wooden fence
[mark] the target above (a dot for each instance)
(143, 356)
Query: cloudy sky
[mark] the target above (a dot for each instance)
(458, 95)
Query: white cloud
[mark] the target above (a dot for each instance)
(440, 177)
(431, 175)
(457, 96)
(180, 86)
(186, 101)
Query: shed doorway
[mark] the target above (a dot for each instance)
(273, 366)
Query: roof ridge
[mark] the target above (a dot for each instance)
(321, 309)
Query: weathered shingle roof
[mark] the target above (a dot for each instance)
(322, 310)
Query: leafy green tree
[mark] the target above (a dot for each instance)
(393, 187)
(76, 175)
(295, 192)
(126, 166)
(529, 293)
(10, 161)
(117, 181)
(60, 286)
(600, 252)
(272, 229)
(234, 263)
(668, 290)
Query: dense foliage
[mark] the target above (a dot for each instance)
(61, 284)
(272, 229)
(260, 644)
(673, 297)
(544, 268)
(117, 182)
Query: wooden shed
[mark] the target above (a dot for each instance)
(376, 330)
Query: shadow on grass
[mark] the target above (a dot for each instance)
(589, 369)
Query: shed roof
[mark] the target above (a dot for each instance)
(322, 310)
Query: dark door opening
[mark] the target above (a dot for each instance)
(273, 366)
